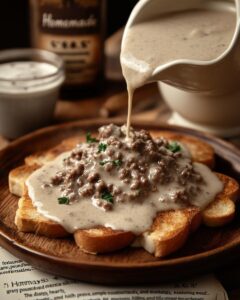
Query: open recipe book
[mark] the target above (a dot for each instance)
(19, 280)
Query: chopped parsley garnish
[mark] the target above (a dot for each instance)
(106, 195)
(63, 200)
(174, 147)
(90, 139)
(102, 147)
(103, 162)
(116, 162)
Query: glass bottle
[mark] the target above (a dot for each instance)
(74, 29)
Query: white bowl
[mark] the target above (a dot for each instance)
(27, 101)
(215, 114)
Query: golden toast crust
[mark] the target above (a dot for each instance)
(17, 178)
(102, 240)
(222, 210)
(28, 219)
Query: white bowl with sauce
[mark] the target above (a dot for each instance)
(30, 80)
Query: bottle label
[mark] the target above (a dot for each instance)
(71, 29)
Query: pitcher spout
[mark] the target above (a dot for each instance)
(217, 75)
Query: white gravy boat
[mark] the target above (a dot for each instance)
(202, 94)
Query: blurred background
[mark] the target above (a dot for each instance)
(14, 16)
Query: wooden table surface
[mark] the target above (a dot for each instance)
(152, 109)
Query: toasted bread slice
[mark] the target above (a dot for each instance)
(17, 178)
(28, 219)
(219, 212)
(102, 240)
(222, 210)
(168, 233)
(43, 157)
(195, 218)
(200, 151)
(231, 187)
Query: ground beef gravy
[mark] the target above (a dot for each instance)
(196, 34)
(120, 182)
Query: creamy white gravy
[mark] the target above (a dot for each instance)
(196, 34)
(129, 216)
